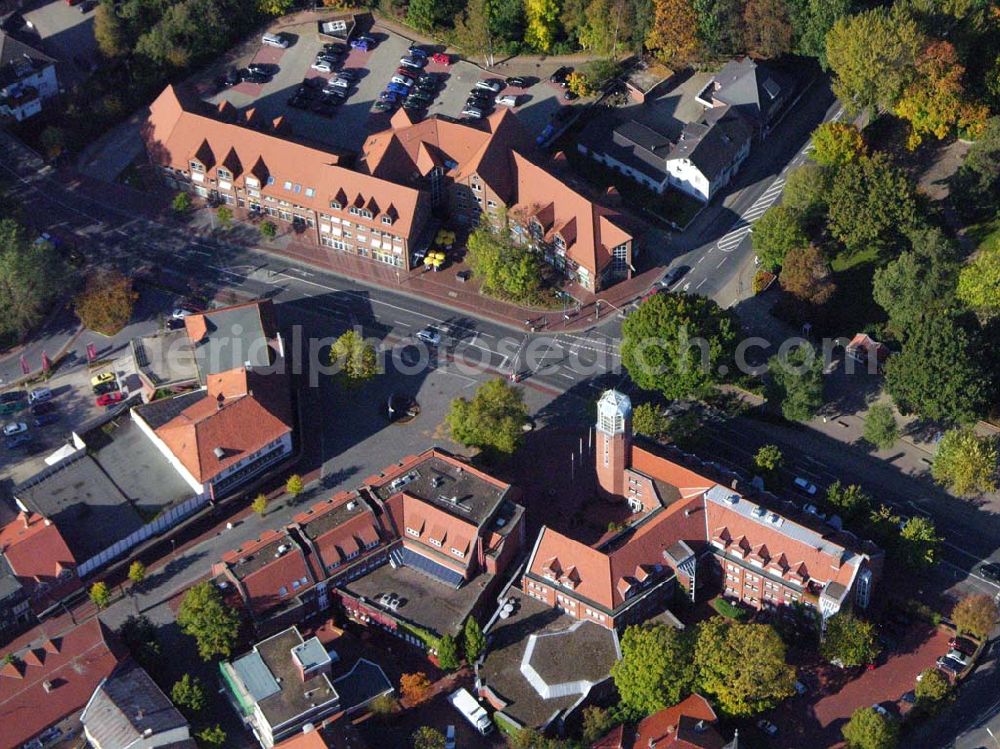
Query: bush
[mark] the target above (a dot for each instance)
(181, 202)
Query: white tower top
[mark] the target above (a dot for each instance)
(614, 412)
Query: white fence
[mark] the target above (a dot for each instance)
(158, 525)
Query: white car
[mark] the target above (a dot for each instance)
(14, 428)
(322, 66)
(490, 84)
(957, 655)
(473, 113)
(807, 486)
(181, 312)
(338, 83)
(402, 80)
(430, 335)
(507, 100)
(877, 707)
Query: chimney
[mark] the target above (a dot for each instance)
(139, 714)
(219, 453)
(47, 686)
(219, 400)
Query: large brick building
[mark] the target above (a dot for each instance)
(764, 551)
(381, 211)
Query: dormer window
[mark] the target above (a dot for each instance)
(387, 220)
(253, 182)
(288, 184)
(197, 166)
(310, 192)
(270, 180)
(224, 173)
(335, 204)
(458, 552)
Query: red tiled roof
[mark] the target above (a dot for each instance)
(252, 413)
(273, 572)
(174, 135)
(72, 665)
(432, 522)
(674, 727)
(38, 556)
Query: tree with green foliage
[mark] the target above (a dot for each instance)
(976, 614)
(206, 617)
(979, 281)
(507, 270)
(54, 140)
(965, 462)
(806, 192)
(768, 460)
(426, 737)
(655, 670)
(812, 21)
(880, 427)
(424, 15)
(596, 722)
(109, 30)
(181, 203)
(294, 485)
(259, 504)
(720, 27)
(836, 144)
(932, 688)
(268, 230)
(32, 276)
(805, 276)
(672, 36)
(871, 204)
(492, 421)
(137, 572)
(188, 693)
(678, 344)
(648, 419)
(978, 178)
(768, 31)
(849, 640)
(383, 705)
(868, 729)
(211, 736)
(883, 526)
(543, 24)
(225, 215)
(473, 34)
(918, 544)
(601, 35)
(778, 231)
(447, 653)
(919, 282)
(474, 640)
(139, 635)
(941, 373)
(796, 382)
(355, 358)
(100, 594)
(850, 502)
(275, 8)
(742, 666)
(872, 55)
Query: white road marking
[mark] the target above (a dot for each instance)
(700, 284)
(700, 260)
(401, 324)
(721, 262)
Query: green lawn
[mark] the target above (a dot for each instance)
(986, 235)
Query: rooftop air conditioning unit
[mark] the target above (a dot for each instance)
(351, 505)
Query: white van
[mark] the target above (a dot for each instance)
(274, 40)
(507, 100)
(40, 395)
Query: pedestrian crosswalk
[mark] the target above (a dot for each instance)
(738, 233)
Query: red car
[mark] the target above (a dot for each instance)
(962, 645)
(441, 58)
(407, 72)
(109, 399)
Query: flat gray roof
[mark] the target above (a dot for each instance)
(364, 682)
(235, 336)
(295, 697)
(165, 358)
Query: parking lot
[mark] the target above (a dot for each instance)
(345, 126)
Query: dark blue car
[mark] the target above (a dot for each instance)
(397, 88)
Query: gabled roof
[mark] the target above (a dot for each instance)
(173, 133)
(272, 568)
(39, 557)
(713, 143)
(690, 724)
(750, 87)
(127, 705)
(13, 54)
(338, 527)
(56, 678)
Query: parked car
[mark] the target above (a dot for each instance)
(43, 408)
(402, 80)
(181, 312)
(40, 395)
(950, 665)
(17, 440)
(109, 399)
(350, 74)
(570, 95)
(261, 68)
(508, 100)
(15, 427)
(274, 40)
(430, 335)
(323, 66)
(877, 707)
(963, 645)
(767, 727)
(258, 78)
(341, 83)
(383, 105)
(441, 58)
(430, 89)
(494, 85)
(473, 113)
(416, 50)
(389, 96)
(428, 78)
(424, 99)
(88, 5)
(397, 88)
(13, 396)
(561, 76)
(805, 486)
(673, 275)
(46, 419)
(102, 379)
(958, 656)
(991, 571)
(364, 43)
(407, 72)
(413, 61)
(518, 82)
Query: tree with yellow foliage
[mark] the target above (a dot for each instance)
(672, 38)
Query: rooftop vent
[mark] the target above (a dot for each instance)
(775, 519)
(732, 498)
(351, 505)
(283, 549)
(47, 686)
(758, 511)
(219, 453)
(397, 484)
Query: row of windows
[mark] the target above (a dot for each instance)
(595, 614)
(296, 584)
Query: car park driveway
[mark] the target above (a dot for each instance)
(67, 35)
